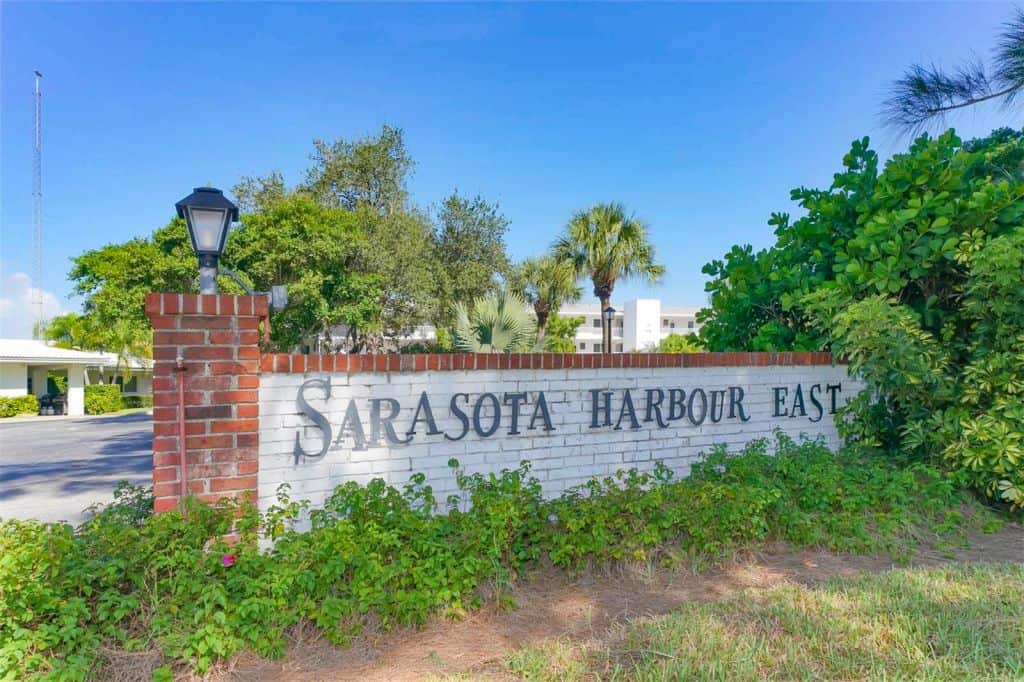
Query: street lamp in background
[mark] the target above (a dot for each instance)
(608, 314)
(208, 214)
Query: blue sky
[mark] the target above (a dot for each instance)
(700, 118)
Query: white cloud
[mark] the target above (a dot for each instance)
(18, 306)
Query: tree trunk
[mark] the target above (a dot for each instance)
(603, 291)
(542, 320)
(606, 325)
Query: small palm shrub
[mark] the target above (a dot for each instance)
(497, 323)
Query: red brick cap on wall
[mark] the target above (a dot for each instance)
(292, 363)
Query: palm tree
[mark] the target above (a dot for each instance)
(605, 244)
(127, 341)
(926, 94)
(70, 330)
(124, 338)
(498, 323)
(548, 283)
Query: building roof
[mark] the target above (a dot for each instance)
(595, 309)
(587, 308)
(110, 360)
(33, 351)
(680, 310)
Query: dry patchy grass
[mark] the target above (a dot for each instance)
(961, 622)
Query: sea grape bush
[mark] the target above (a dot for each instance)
(915, 272)
(382, 556)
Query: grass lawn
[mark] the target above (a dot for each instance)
(961, 622)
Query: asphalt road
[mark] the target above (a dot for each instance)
(52, 469)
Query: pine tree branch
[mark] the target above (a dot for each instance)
(928, 94)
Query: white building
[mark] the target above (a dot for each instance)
(25, 365)
(638, 325)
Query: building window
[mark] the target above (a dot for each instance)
(673, 325)
(597, 323)
(689, 325)
(618, 323)
(618, 348)
(664, 322)
(597, 347)
(583, 346)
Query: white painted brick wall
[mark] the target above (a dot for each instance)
(569, 455)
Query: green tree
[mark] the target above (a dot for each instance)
(114, 279)
(254, 195)
(561, 334)
(546, 283)
(469, 246)
(606, 245)
(123, 337)
(77, 331)
(127, 341)
(363, 267)
(497, 323)
(314, 251)
(680, 343)
(371, 171)
(71, 330)
(927, 94)
(398, 248)
(369, 277)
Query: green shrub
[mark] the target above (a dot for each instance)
(560, 334)
(958, 396)
(913, 272)
(379, 555)
(22, 404)
(102, 398)
(133, 401)
(680, 343)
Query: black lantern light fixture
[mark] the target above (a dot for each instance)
(609, 315)
(208, 214)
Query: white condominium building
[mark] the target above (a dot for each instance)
(639, 325)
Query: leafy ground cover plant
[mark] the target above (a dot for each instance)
(851, 501)
(380, 556)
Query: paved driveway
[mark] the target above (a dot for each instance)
(52, 469)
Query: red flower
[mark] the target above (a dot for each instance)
(228, 560)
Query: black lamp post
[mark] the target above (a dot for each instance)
(608, 314)
(208, 214)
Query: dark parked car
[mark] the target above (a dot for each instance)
(53, 403)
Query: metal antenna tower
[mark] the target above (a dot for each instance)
(37, 202)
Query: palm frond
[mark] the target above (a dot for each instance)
(498, 323)
(607, 244)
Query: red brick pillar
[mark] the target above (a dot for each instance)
(218, 338)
